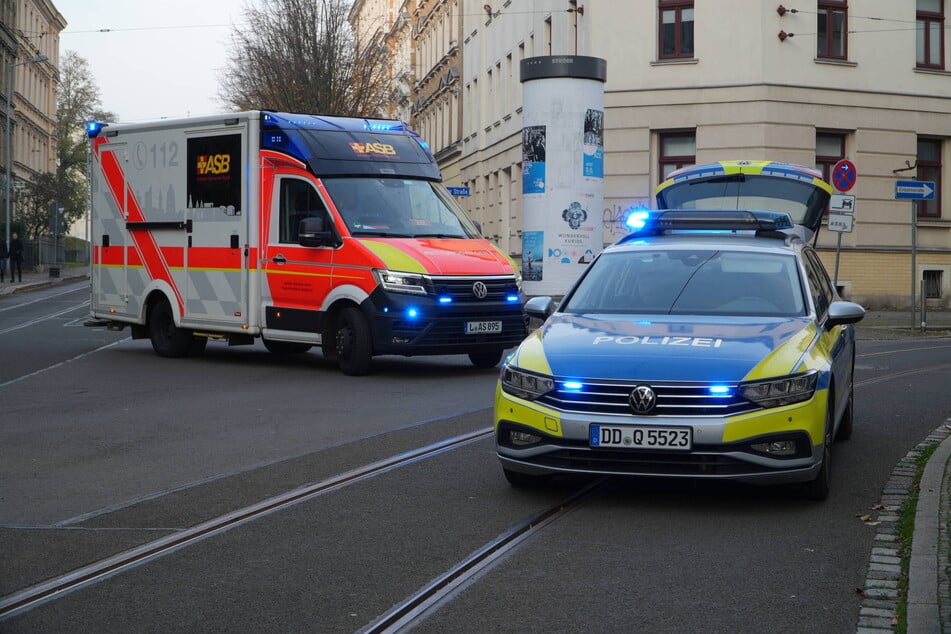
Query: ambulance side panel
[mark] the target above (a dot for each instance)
(170, 215)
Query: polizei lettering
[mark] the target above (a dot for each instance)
(698, 342)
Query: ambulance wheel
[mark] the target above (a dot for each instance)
(352, 342)
(286, 347)
(485, 357)
(168, 340)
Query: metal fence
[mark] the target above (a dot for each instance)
(41, 254)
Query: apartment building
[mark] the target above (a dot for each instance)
(692, 81)
(29, 47)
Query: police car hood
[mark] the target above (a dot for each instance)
(667, 348)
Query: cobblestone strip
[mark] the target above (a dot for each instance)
(878, 612)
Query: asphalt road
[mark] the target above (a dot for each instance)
(104, 447)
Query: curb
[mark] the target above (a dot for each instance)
(927, 579)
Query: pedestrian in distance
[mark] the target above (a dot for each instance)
(4, 254)
(16, 257)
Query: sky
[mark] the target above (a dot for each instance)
(161, 58)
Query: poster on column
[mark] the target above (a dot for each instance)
(533, 253)
(533, 159)
(572, 240)
(594, 144)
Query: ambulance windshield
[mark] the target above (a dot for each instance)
(398, 208)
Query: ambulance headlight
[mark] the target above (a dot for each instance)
(402, 282)
(779, 392)
(527, 385)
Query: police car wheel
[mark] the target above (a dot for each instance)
(485, 357)
(352, 342)
(519, 479)
(167, 339)
(818, 489)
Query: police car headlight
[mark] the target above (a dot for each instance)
(779, 392)
(525, 385)
(402, 282)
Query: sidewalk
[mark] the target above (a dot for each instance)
(929, 588)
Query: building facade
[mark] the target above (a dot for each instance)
(693, 82)
(29, 45)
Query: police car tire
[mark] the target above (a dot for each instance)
(286, 347)
(818, 489)
(485, 357)
(167, 339)
(519, 479)
(846, 424)
(352, 342)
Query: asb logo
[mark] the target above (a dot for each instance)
(373, 148)
(213, 164)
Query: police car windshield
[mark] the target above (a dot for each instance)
(690, 282)
(746, 191)
(398, 208)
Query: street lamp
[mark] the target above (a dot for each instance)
(9, 139)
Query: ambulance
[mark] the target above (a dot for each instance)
(299, 230)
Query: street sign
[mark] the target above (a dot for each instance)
(914, 190)
(841, 222)
(844, 175)
(458, 191)
(842, 203)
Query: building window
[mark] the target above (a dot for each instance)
(677, 149)
(676, 28)
(830, 149)
(929, 169)
(930, 34)
(932, 281)
(833, 31)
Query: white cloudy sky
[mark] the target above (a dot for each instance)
(162, 58)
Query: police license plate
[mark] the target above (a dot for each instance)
(640, 437)
(480, 327)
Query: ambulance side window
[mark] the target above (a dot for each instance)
(299, 200)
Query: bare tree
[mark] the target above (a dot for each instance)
(302, 56)
(77, 101)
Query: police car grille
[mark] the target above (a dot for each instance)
(673, 399)
(460, 288)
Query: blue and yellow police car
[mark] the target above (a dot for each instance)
(708, 343)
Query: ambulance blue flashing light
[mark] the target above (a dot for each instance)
(412, 313)
(511, 299)
(445, 300)
(93, 128)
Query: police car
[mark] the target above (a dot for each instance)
(708, 343)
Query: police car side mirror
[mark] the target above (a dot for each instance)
(540, 307)
(313, 232)
(842, 312)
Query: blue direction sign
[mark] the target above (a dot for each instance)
(915, 190)
(458, 191)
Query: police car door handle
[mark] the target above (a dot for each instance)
(279, 259)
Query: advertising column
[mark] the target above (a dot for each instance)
(562, 169)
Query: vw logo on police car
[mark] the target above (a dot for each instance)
(642, 399)
(480, 290)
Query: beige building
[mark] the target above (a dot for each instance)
(692, 82)
(29, 46)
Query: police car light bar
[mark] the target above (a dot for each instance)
(655, 223)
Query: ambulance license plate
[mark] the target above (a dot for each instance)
(640, 437)
(482, 327)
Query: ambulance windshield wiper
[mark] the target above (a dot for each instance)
(438, 235)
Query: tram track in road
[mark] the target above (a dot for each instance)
(56, 587)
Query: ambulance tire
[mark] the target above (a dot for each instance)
(286, 347)
(352, 342)
(168, 340)
(486, 357)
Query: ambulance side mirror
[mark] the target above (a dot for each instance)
(315, 231)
